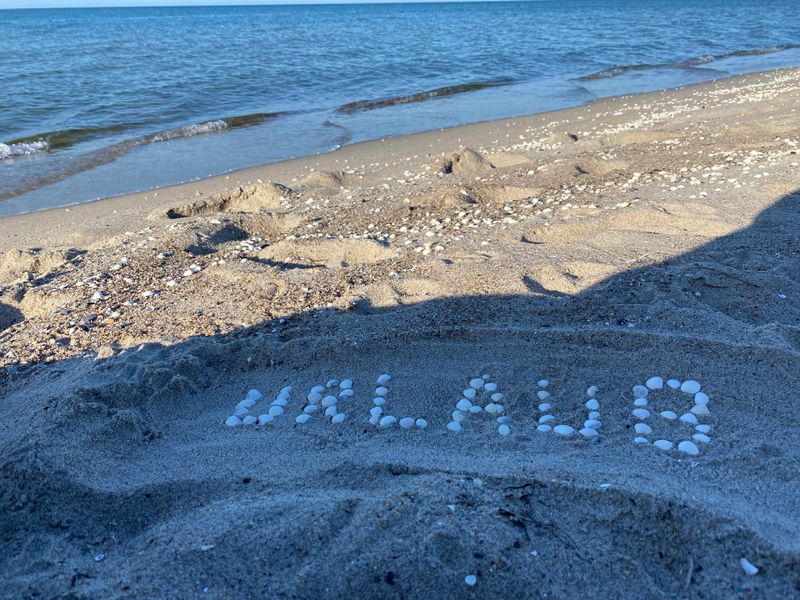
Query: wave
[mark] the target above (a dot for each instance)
(12, 150)
(690, 63)
(441, 92)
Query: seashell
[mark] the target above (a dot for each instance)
(348, 393)
(379, 401)
(464, 405)
(233, 421)
(701, 410)
(689, 448)
(302, 419)
(381, 391)
(588, 432)
(317, 389)
(311, 408)
(543, 428)
(491, 408)
(748, 567)
(275, 411)
(264, 419)
(346, 384)
(476, 383)
(504, 430)
(496, 397)
(668, 414)
(640, 391)
(249, 420)
(663, 444)
(470, 393)
(643, 429)
(314, 397)
(330, 411)
(543, 394)
(703, 428)
(690, 386)
(701, 398)
(254, 396)
(490, 387)
(674, 384)
(472, 580)
(504, 420)
(592, 390)
(639, 440)
(338, 418)
(592, 404)
(475, 408)
(702, 438)
(564, 430)
(384, 379)
(387, 421)
(280, 402)
(374, 420)
(406, 422)
(246, 404)
(594, 415)
(286, 390)
(655, 383)
(458, 416)
(498, 408)
(640, 413)
(454, 426)
(332, 383)
(328, 401)
(543, 383)
(545, 406)
(640, 402)
(592, 424)
(240, 411)
(486, 377)
(546, 419)
(421, 423)
(376, 411)
(689, 418)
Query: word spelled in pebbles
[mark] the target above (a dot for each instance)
(385, 421)
(547, 421)
(652, 393)
(481, 389)
(241, 414)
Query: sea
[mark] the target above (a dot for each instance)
(101, 102)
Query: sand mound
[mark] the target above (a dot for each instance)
(25, 264)
(507, 159)
(598, 167)
(246, 199)
(464, 162)
(329, 253)
(329, 179)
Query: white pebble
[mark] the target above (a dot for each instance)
(504, 430)
(689, 448)
(655, 383)
(311, 408)
(592, 424)
(674, 384)
(338, 418)
(470, 393)
(275, 411)
(387, 421)
(592, 390)
(376, 411)
(703, 428)
(640, 391)
(233, 421)
(543, 394)
(279, 402)
(640, 413)
(477, 383)
(454, 426)
(543, 428)
(346, 384)
(491, 387)
(472, 580)
(701, 398)
(748, 567)
(314, 397)
(458, 416)
(330, 411)
(348, 393)
(475, 408)
(701, 410)
(285, 390)
(264, 419)
(503, 420)
(254, 396)
(546, 419)
(643, 429)
(639, 440)
(406, 422)
(564, 430)
(668, 414)
(329, 401)
(240, 411)
(422, 423)
(491, 408)
(543, 383)
(317, 389)
(381, 391)
(249, 420)
(332, 383)
(588, 432)
(592, 404)
(689, 418)
(496, 397)
(464, 405)
(640, 402)
(545, 406)
(663, 444)
(594, 415)
(246, 403)
(303, 419)
(384, 379)
(690, 386)
(379, 401)
(702, 438)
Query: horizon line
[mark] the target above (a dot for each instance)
(256, 4)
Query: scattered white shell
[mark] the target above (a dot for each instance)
(663, 444)
(703, 428)
(454, 426)
(249, 420)
(503, 420)
(387, 421)
(701, 410)
(347, 393)
(279, 402)
(275, 411)
(406, 422)
(464, 405)
(264, 419)
(470, 393)
(588, 432)
(655, 383)
(594, 415)
(247, 403)
(472, 580)
(318, 389)
(376, 411)
(543, 394)
(254, 395)
(381, 391)
(543, 428)
(240, 411)
(545, 406)
(332, 383)
(593, 424)
(477, 383)
(564, 430)
(592, 404)
(748, 567)
(504, 430)
(384, 379)
(287, 389)
(689, 448)
(496, 397)
(490, 387)
(330, 411)
(701, 398)
(690, 386)
(592, 390)
(674, 384)
(305, 418)
(459, 416)
(475, 408)
(640, 391)
(668, 414)
(702, 438)
(314, 397)
(311, 408)
(640, 413)
(491, 408)
(689, 418)
(329, 401)
(379, 401)
(421, 423)
(543, 383)
(643, 429)
(546, 419)
(639, 440)
(346, 384)
(640, 402)
(338, 418)
(233, 421)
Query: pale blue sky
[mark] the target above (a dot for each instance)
(74, 3)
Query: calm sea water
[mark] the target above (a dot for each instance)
(98, 102)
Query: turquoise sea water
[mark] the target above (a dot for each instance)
(99, 102)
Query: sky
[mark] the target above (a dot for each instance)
(75, 3)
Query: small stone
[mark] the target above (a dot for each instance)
(592, 424)
(279, 402)
(655, 383)
(689, 418)
(690, 386)
(454, 426)
(249, 420)
(475, 408)
(588, 432)
(592, 390)
(470, 393)
(748, 567)
(421, 423)
(338, 418)
(594, 415)
(640, 402)
(387, 421)
(459, 416)
(381, 391)
(233, 421)
(464, 405)
(701, 410)
(703, 428)
(328, 401)
(275, 411)
(264, 419)
(543, 383)
(305, 418)
(254, 396)
(332, 383)
(504, 420)
(702, 438)
(564, 430)
(543, 428)
(314, 397)
(640, 413)
(240, 411)
(477, 383)
(376, 411)
(317, 389)
(674, 384)
(490, 387)
(379, 401)
(472, 580)
(640, 391)
(311, 408)
(643, 429)
(504, 430)
(700, 398)
(496, 397)
(348, 393)
(384, 379)
(544, 406)
(330, 411)
(689, 448)
(546, 419)
(543, 394)
(639, 440)
(592, 404)
(668, 414)
(406, 422)
(346, 384)
(663, 444)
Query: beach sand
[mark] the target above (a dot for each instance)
(640, 236)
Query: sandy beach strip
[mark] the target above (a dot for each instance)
(604, 300)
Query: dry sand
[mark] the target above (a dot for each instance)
(647, 235)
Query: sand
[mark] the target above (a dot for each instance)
(647, 235)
